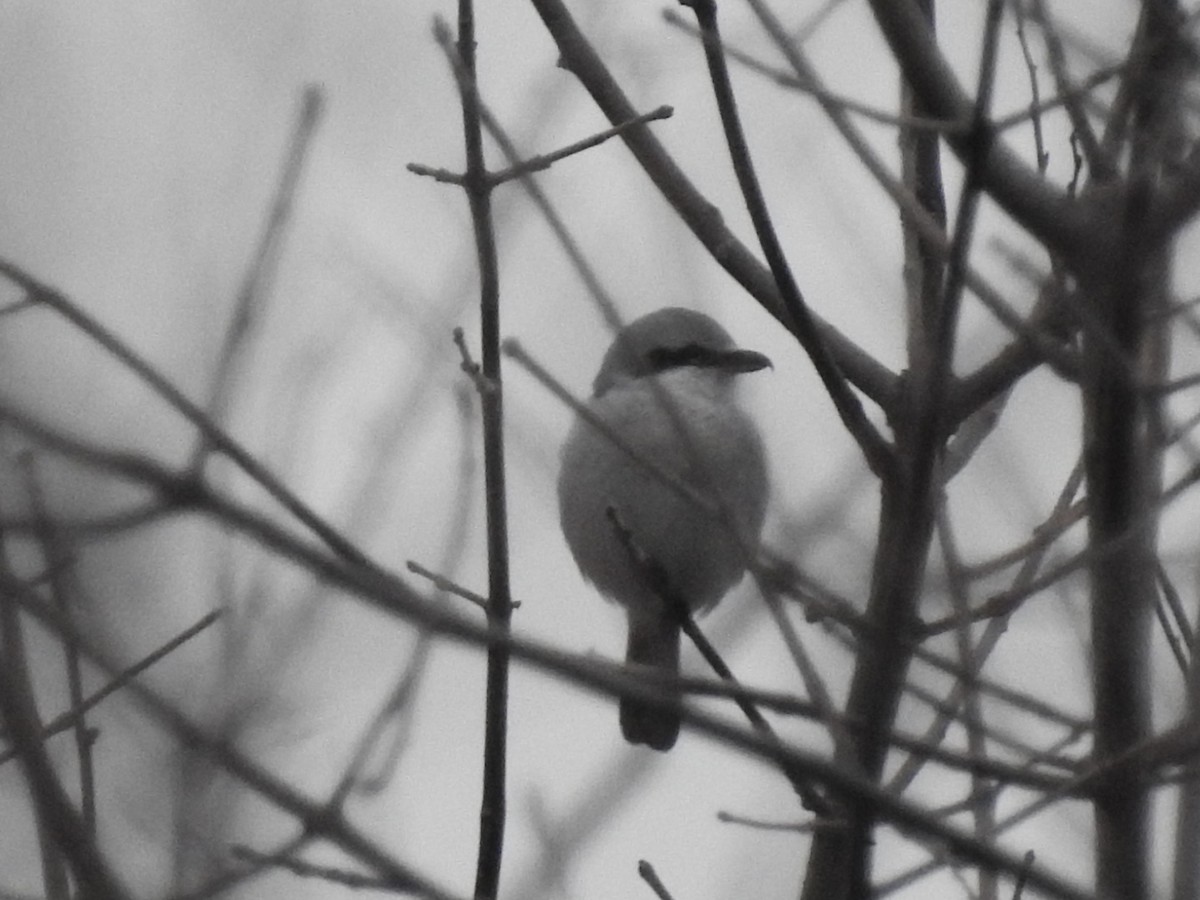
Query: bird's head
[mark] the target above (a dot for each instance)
(670, 339)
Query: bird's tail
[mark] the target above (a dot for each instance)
(653, 643)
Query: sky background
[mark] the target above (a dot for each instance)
(141, 147)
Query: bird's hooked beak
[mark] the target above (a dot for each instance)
(741, 361)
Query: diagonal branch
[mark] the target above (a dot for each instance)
(860, 368)
(877, 452)
(216, 437)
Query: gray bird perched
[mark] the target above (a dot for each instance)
(666, 391)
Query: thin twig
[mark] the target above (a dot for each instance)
(525, 167)
(64, 834)
(877, 452)
(461, 54)
(1068, 97)
(401, 706)
(1171, 636)
(540, 163)
(304, 869)
(656, 579)
(729, 818)
(1043, 537)
(813, 22)
(450, 587)
(939, 859)
(839, 609)
(119, 681)
(470, 368)
(397, 710)
(648, 875)
(160, 385)
(982, 797)
(63, 584)
(1039, 143)
(256, 285)
(818, 91)
(1174, 603)
(1099, 162)
(1019, 886)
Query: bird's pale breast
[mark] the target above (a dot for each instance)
(707, 442)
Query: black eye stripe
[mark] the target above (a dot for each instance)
(663, 358)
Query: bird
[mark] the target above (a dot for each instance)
(669, 496)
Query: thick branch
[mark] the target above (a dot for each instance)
(1067, 227)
